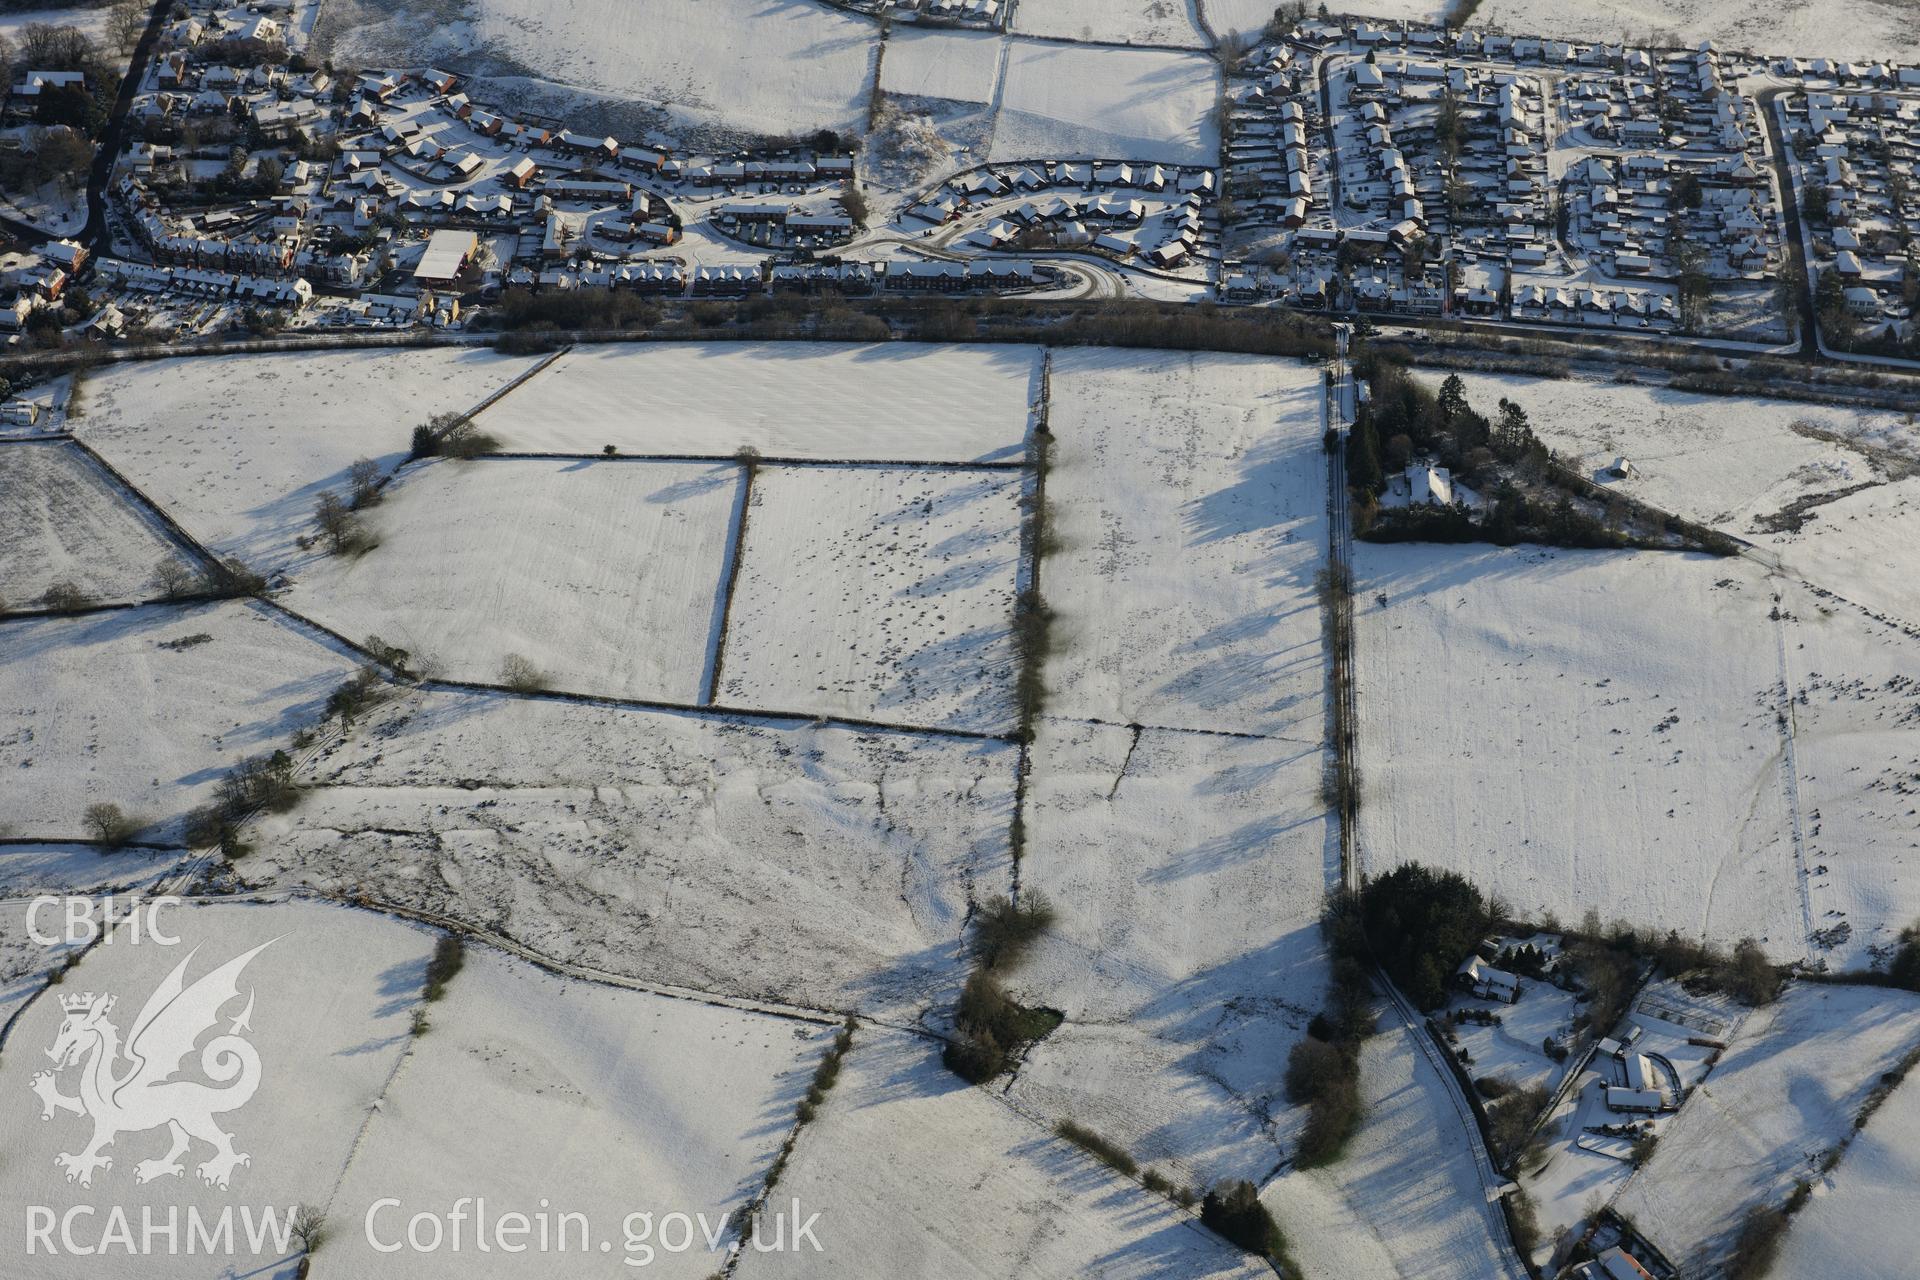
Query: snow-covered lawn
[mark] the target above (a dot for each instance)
(57, 208)
(1513, 1051)
(1115, 21)
(963, 66)
(1062, 101)
(329, 997)
(63, 519)
(780, 861)
(1860, 1223)
(899, 403)
(1785, 1094)
(879, 593)
(145, 708)
(1575, 730)
(1187, 494)
(1187, 872)
(531, 1090)
(606, 575)
(1734, 461)
(1847, 29)
(1403, 1199)
(916, 1174)
(237, 448)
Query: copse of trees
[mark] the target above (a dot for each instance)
(1510, 1118)
(1323, 1070)
(1324, 1077)
(991, 1029)
(1608, 963)
(452, 435)
(1442, 423)
(1905, 969)
(1761, 1233)
(449, 956)
(359, 693)
(43, 156)
(339, 527)
(84, 107)
(65, 595)
(1404, 415)
(990, 1026)
(1004, 929)
(1420, 924)
(574, 309)
(1232, 1210)
(260, 782)
(175, 579)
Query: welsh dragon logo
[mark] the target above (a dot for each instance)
(131, 1088)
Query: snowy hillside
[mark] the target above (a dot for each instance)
(774, 67)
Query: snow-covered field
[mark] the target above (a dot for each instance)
(1864, 547)
(1734, 461)
(91, 19)
(1677, 740)
(914, 1173)
(530, 1090)
(1116, 21)
(877, 592)
(24, 963)
(328, 1003)
(899, 403)
(1187, 872)
(962, 66)
(1512, 1051)
(1577, 730)
(1870, 30)
(774, 67)
(778, 861)
(145, 708)
(1187, 493)
(63, 519)
(606, 575)
(237, 448)
(54, 867)
(1860, 1222)
(1856, 723)
(1403, 1199)
(1785, 1093)
(1061, 101)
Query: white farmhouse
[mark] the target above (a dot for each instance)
(1432, 486)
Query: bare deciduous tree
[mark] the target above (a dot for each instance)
(107, 824)
(65, 594)
(309, 1228)
(173, 579)
(338, 525)
(520, 675)
(126, 22)
(364, 475)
